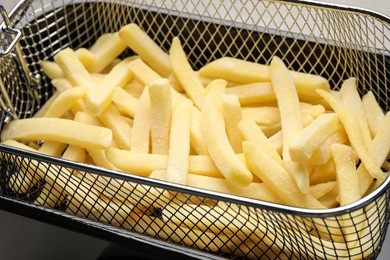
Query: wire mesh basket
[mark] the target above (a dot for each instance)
(330, 41)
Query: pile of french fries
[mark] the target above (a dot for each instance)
(234, 126)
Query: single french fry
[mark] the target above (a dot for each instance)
(142, 72)
(276, 177)
(124, 101)
(262, 115)
(42, 110)
(321, 189)
(378, 150)
(322, 173)
(100, 42)
(141, 125)
(175, 83)
(73, 69)
(105, 52)
(52, 69)
(64, 102)
(253, 93)
(60, 130)
(160, 114)
(353, 130)
(245, 72)
(120, 128)
(213, 129)
(86, 57)
(99, 98)
(52, 148)
(179, 144)
(232, 115)
(291, 119)
(140, 42)
(197, 140)
(74, 153)
(304, 143)
(61, 84)
(374, 113)
(351, 100)
(184, 73)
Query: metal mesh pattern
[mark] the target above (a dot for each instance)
(334, 43)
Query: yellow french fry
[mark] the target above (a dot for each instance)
(60, 130)
(86, 57)
(179, 144)
(160, 114)
(99, 98)
(276, 177)
(124, 101)
(374, 113)
(197, 140)
(184, 73)
(213, 129)
(74, 153)
(140, 42)
(232, 115)
(42, 110)
(291, 120)
(109, 48)
(65, 101)
(143, 73)
(73, 69)
(52, 148)
(253, 93)
(353, 130)
(52, 69)
(61, 84)
(303, 144)
(100, 42)
(141, 125)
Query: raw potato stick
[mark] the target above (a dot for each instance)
(232, 115)
(65, 101)
(143, 73)
(253, 93)
(124, 101)
(141, 125)
(213, 128)
(52, 69)
(373, 112)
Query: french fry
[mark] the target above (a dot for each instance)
(61, 84)
(100, 42)
(74, 153)
(213, 129)
(120, 128)
(64, 102)
(276, 177)
(51, 196)
(232, 115)
(60, 130)
(374, 113)
(160, 114)
(196, 139)
(73, 69)
(184, 73)
(304, 143)
(141, 125)
(86, 57)
(179, 144)
(253, 93)
(245, 72)
(142, 72)
(53, 148)
(140, 42)
(351, 100)
(42, 110)
(124, 101)
(353, 130)
(291, 120)
(99, 98)
(110, 47)
(52, 69)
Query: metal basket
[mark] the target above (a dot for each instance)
(332, 41)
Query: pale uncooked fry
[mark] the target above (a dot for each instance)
(140, 42)
(179, 144)
(160, 114)
(52, 148)
(60, 130)
(111, 65)
(276, 141)
(65, 101)
(124, 101)
(304, 143)
(322, 173)
(291, 119)
(197, 140)
(61, 84)
(232, 115)
(73, 69)
(276, 177)
(175, 83)
(142, 72)
(51, 69)
(86, 57)
(141, 125)
(214, 134)
(134, 88)
(353, 130)
(244, 72)
(74, 153)
(263, 115)
(42, 110)
(184, 73)
(99, 98)
(106, 52)
(312, 110)
(351, 100)
(121, 130)
(321, 189)
(251, 132)
(100, 42)
(253, 93)
(378, 150)
(373, 112)
(322, 154)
